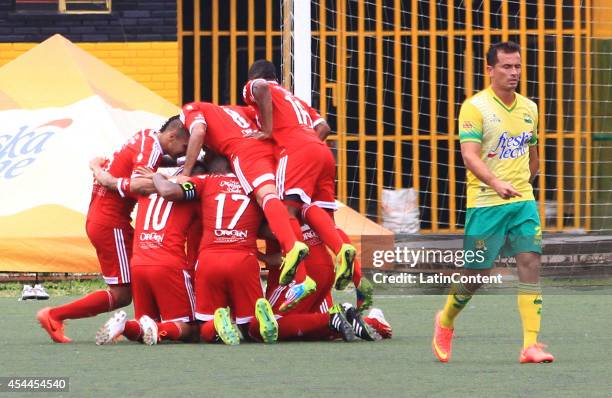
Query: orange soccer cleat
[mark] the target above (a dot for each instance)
(535, 354)
(54, 327)
(442, 340)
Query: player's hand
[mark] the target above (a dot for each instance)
(144, 172)
(505, 190)
(96, 163)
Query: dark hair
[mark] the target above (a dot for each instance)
(174, 124)
(508, 47)
(262, 69)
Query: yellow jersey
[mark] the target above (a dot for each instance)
(505, 134)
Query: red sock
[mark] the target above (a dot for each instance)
(254, 330)
(357, 263)
(278, 219)
(168, 331)
(304, 326)
(321, 222)
(91, 305)
(297, 228)
(132, 330)
(208, 332)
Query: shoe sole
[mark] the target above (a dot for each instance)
(344, 278)
(225, 329)
(285, 308)
(148, 337)
(268, 326)
(288, 273)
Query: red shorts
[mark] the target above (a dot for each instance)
(254, 164)
(163, 293)
(227, 278)
(308, 171)
(320, 267)
(114, 249)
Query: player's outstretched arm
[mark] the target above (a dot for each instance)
(263, 98)
(470, 151)
(167, 189)
(196, 140)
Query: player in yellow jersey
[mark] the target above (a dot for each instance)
(498, 135)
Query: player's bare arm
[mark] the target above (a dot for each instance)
(139, 186)
(322, 130)
(167, 189)
(196, 140)
(470, 151)
(534, 163)
(263, 98)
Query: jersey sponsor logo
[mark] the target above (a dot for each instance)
(511, 147)
(527, 119)
(152, 237)
(19, 149)
(231, 186)
(493, 119)
(233, 233)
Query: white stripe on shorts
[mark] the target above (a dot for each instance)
(124, 265)
(243, 181)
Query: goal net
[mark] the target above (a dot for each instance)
(390, 77)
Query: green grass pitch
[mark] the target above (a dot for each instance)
(485, 358)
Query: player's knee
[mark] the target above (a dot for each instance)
(122, 296)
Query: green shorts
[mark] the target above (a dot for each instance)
(501, 230)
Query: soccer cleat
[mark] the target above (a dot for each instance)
(360, 327)
(344, 266)
(112, 329)
(226, 330)
(535, 354)
(339, 323)
(442, 340)
(365, 293)
(297, 293)
(54, 327)
(291, 261)
(40, 292)
(28, 293)
(149, 330)
(268, 327)
(376, 319)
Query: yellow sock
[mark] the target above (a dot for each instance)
(530, 307)
(457, 299)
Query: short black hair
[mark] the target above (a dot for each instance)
(262, 69)
(174, 124)
(508, 47)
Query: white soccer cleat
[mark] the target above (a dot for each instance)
(376, 319)
(28, 293)
(149, 330)
(112, 329)
(40, 292)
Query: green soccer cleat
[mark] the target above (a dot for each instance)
(291, 261)
(297, 293)
(365, 294)
(339, 324)
(268, 327)
(227, 331)
(344, 266)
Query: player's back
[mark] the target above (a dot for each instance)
(114, 208)
(160, 231)
(293, 119)
(225, 125)
(230, 219)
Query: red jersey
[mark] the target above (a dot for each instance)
(293, 120)
(161, 231)
(114, 208)
(230, 219)
(226, 126)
